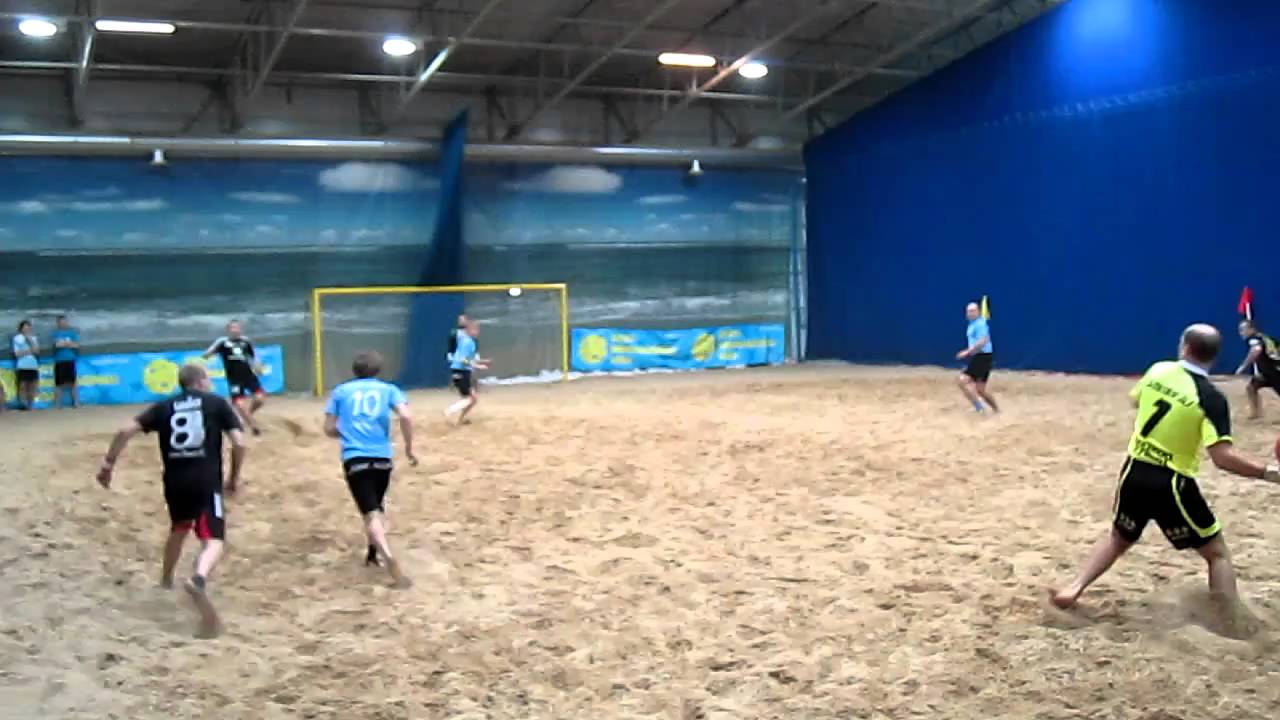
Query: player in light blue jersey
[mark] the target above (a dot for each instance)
(973, 381)
(463, 361)
(359, 414)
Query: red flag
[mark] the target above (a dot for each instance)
(1245, 306)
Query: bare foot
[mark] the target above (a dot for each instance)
(399, 579)
(1062, 600)
(210, 624)
(166, 583)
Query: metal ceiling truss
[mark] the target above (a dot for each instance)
(835, 49)
(453, 81)
(258, 51)
(931, 34)
(821, 9)
(269, 25)
(620, 106)
(516, 130)
(79, 78)
(433, 67)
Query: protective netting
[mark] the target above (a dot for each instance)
(522, 335)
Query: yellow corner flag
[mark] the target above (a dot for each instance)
(986, 309)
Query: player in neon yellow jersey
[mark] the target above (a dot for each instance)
(1179, 412)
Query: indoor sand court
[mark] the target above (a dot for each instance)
(813, 542)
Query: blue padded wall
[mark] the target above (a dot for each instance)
(1106, 174)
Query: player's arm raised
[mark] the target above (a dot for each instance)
(401, 409)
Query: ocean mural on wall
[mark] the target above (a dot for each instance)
(151, 258)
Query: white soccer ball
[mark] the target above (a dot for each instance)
(514, 292)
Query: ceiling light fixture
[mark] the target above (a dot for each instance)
(135, 26)
(399, 47)
(753, 70)
(37, 27)
(686, 60)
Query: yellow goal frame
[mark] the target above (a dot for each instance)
(317, 319)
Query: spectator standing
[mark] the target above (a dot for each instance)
(66, 351)
(26, 356)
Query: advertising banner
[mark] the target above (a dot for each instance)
(131, 378)
(612, 350)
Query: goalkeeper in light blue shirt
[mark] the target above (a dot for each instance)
(973, 381)
(463, 361)
(359, 414)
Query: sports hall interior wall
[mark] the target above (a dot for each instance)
(1105, 175)
(160, 258)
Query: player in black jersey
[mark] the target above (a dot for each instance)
(241, 366)
(1264, 358)
(190, 427)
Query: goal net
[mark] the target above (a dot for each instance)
(524, 331)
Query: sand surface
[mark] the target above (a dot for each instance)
(823, 542)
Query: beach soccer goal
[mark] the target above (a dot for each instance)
(524, 330)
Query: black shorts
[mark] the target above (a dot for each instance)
(1149, 492)
(979, 367)
(196, 506)
(368, 480)
(64, 373)
(462, 381)
(26, 376)
(1265, 380)
(244, 386)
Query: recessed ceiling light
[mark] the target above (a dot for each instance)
(753, 70)
(37, 27)
(135, 26)
(399, 47)
(686, 60)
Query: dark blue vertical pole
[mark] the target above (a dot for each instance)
(431, 316)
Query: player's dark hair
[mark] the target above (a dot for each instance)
(367, 364)
(60, 318)
(1203, 345)
(190, 375)
(23, 324)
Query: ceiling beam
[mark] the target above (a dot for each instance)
(823, 8)
(438, 61)
(462, 81)
(924, 37)
(519, 127)
(551, 37)
(273, 56)
(364, 148)
(499, 43)
(84, 63)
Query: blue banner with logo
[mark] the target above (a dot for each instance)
(131, 378)
(611, 350)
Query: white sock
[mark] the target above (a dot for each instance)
(457, 407)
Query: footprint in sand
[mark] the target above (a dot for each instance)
(635, 540)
